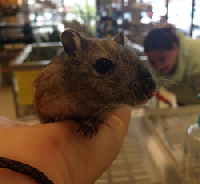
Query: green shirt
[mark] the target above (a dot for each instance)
(185, 81)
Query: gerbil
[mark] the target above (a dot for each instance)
(90, 79)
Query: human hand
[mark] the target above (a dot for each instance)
(64, 155)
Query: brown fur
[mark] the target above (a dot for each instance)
(70, 87)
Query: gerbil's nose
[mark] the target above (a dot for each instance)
(149, 88)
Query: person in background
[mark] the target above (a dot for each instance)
(28, 34)
(175, 61)
(55, 35)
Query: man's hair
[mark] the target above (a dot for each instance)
(160, 39)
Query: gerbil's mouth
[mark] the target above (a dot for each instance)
(151, 94)
(148, 88)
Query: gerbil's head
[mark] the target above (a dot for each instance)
(96, 73)
(105, 70)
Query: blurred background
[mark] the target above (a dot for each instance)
(97, 18)
(154, 151)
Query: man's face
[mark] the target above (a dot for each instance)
(163, 61)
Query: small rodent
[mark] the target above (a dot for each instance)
(90, 79)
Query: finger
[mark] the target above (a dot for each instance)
(123, 114)
(21, 123)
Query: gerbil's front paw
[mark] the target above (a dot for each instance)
(88, 127)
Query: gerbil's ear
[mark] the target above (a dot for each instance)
(121, 38)
(71, 41)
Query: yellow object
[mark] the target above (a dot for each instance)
(24, 86)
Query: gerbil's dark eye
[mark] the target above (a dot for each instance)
(103, 65)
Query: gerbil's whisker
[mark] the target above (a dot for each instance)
(82, 118)
(159, 69)
(102, 111)
(175, 83)
(109, 109)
